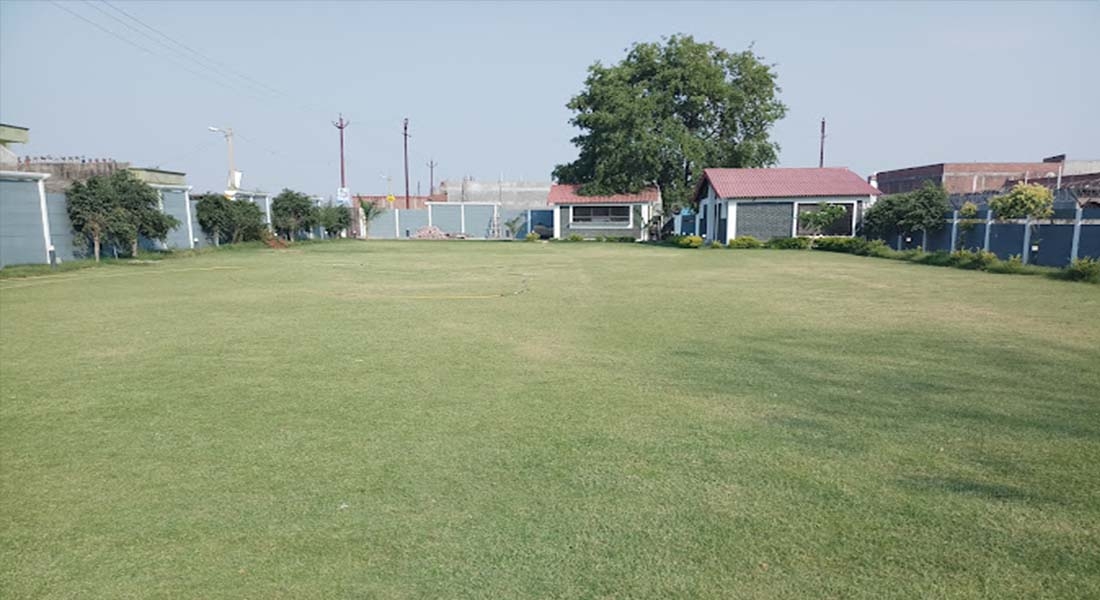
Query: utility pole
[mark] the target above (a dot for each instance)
(431, 175)
(231, 184)
(341, 124)
(821, 155)
(406, 136)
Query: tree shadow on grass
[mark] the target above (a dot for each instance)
(970, 487)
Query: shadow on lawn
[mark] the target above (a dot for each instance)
(970, 487)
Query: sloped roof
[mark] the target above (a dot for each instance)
(566, 193)
(787, 183)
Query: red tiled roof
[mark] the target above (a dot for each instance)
(787, 183)
(566, 193)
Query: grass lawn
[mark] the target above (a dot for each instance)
(492, 420)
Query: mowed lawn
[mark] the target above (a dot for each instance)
(495, 420)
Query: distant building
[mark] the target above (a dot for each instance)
(977, 177)
(512, 196)
(11, 134)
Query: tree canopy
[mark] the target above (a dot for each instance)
(226, 220)
(334, 218)
(292, 212)
(1024, 200)
(117, 209)
(918, 210)
(667, 111)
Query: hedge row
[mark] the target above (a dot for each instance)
(1082, 269)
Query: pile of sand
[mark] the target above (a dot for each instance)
(430, 232)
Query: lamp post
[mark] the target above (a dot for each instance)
(231, 185)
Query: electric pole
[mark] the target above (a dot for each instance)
(341, 124)
(431, 176)
(821, 155)
(406, 136)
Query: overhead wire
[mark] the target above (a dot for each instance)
(119, 37)
(212, 62)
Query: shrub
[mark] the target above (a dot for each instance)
(575, 237)
(689, 241)
(879, 249)
(1084, 269)
(788, 243)
(841, 244)
(939, 258)
(715, 245)
(745, 242)
(1014, 264)
(532, 237)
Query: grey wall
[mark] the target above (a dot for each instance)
(411, 220)
(175, 204)
(65, 242)
(21, 238)
(764, 221)
(382, 227)
(447, 218)
(479, 221)
(590, 233)
(203, 240)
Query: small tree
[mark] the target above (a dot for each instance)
(292, 212)
(968, 219)
(247, 221)
(214, 215)
(919, 210)
(1024, 201)
(924, 209)
(333, 218)
(824, 218)
(371, 211)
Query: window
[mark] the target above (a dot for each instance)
(601, 214)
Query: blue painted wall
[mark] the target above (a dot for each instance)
(21, 237)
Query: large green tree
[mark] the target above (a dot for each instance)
(667, 111)
(117, 208)
(291, 212)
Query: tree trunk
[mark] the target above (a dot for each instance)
(217, 237)
(133, 248)
(95, 245)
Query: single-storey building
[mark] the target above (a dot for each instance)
(616, 215)
(766, 203)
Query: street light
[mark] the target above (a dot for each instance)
(233, 182)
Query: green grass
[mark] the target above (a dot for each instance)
(491, 420)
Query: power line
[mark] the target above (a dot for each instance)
(131, 42)
(212, 62)
(149, 37)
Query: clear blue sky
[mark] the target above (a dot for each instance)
(485, 84)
